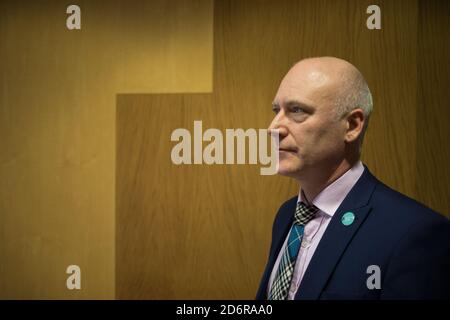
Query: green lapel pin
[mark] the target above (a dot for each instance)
(348, 218)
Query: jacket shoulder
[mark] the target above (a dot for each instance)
(402, 207)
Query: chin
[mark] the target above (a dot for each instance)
(288, 170)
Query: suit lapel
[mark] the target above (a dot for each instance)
(336, 238)
(286, 217)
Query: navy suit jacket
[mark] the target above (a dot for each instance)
(409, 242)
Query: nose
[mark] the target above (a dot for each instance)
(278, 123)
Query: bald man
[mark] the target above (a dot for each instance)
(346, 235)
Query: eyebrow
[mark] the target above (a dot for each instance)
(291, 103)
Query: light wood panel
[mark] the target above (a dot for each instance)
(433, 106)
(202, 232)
(57, 128)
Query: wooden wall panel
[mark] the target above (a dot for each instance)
(57, 128)
(202, 232)
(433, 106)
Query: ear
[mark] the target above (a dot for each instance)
(355, 123)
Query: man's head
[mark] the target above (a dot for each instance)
(322, 109)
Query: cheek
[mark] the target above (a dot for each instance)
(330, 141)
(320, 140)
(306, 137)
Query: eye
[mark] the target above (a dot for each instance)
(296, 109)
(276, 109)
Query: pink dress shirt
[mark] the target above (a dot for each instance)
(327, 201)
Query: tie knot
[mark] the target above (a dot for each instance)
(304, 213)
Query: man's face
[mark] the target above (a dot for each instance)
(311, 135)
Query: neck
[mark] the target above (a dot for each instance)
(320, 178)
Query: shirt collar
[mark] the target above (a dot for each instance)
(330, 198)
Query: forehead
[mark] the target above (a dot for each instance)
(308, 85)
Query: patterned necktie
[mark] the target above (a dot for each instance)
(281, 284)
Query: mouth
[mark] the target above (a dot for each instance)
(287, 150)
